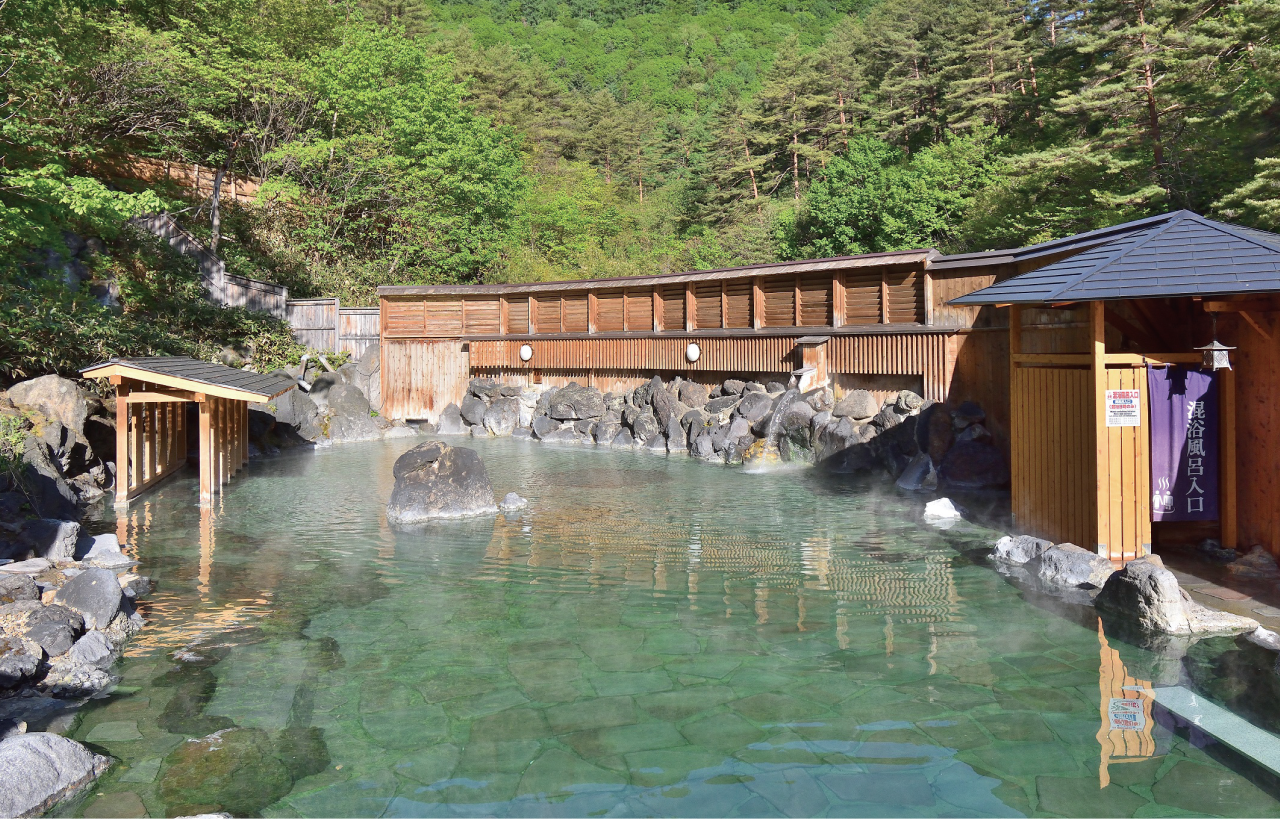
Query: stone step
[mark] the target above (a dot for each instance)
(1252, 742)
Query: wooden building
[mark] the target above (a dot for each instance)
(152, 394)
(876, 321)
(1136, 296)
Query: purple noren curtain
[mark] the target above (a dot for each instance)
(1184, 444)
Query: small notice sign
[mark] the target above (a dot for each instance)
(1123, 409)
(1127, 714)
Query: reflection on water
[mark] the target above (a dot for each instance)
(652, 636)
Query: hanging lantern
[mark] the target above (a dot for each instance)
(1217, 357)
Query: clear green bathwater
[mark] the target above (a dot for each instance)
(651, 637)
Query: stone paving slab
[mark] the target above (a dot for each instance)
(1252, 742)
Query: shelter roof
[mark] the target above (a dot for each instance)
(185, 373)
(1172, 255)
(913, 257)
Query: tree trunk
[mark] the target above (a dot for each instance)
(755, 190)
(1153, 111)
(795, 164)
(215, 218)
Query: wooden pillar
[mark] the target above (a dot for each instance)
(206, 450)
(593, 311)
(796, 303)
(137, 460)
(724, 306)
(757, 304)
(151, 410)
(690, 308)
(838, 306)
(928, 296)
(1102, 456)
(884, 297)
(503, 315)
(122, 443)
(1229, 514)
(657, 309)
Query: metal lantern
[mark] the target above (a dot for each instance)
(1217, 357)
(526, 352)
(692, 352)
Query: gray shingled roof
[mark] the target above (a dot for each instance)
(1176, 254)
(184, 367)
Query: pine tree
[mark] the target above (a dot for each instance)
(905, 99)
(980, 63)
(791, 105)
(844, 72)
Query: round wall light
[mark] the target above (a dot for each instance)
(526, 352)
(693, 352)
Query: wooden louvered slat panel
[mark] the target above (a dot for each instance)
(547, 314)
(706, 301)
(862, 298)
(737, 296)
(481, 316)
(404, 318)
(673, 306)
(779, 303)
(575, 313)
(518, 315)
(443, 317)
(610, 312)
(639, 310)
(906, 297)
(815, 300)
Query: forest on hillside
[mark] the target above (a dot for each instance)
(429, 141)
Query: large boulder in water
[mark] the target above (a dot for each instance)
(37, 770)
(1068, 565)
(350, 417)
(972, 465)
(502, 416)
(435, 481)
(1147, 595)
(573, 402)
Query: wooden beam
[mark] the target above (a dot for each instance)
(504, 316)
(161, 395)
(795, 320)
(928, 297)
(838, 306)
(757, 304)
(1153, 359)
(884, 298)
(122, 444)
(1253, 322)
(1229, 514)
(206, 451)
(1131, 330)
(154, 381)
(657, 310)
(690, 308)
(593, 311)
(1051, 359)
(724, 306)
(1259, 304)
(1102, 460)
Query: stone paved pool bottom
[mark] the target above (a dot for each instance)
(653, 636)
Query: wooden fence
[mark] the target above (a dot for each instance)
(325, 325)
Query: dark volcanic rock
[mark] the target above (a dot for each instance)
(693, 394)
(573, 401)
(38, 770)
(52, 539)
(858, 404)
(974, 465)
(473, 410)
(645, 427)
(723, 404)
(543, 425)
(17, 587)
(1068, 565)
(1019, 549)
(451, 422)
(95, 594)
(1148, 595)
(350, 417)
(452, 484)
(733, 386)
(483, 387)
(19, 659)
(502, 416)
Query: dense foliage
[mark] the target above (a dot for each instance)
(406, 141)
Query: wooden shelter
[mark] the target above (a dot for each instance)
(879, 322)
(151, 419)
(1129, 298)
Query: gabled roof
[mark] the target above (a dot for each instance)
(1175, 254)
(185, 373)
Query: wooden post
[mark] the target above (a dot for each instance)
(206, 451)
(504, 317)
(690, 308)
(1228, 503)
(838, 308)
(593, 310)
(796, 303)
(122, 443)
(657, 309)
(928, 296)
(1102, 455)
(884, 297)
(137, 462)
(533, 315)
(757, 304)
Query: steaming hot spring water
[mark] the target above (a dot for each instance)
(652, 636)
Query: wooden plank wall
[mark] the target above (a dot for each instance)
(1052, 459)
(838, 299)
(421, 377)
(905, 354)
(1128, 475)
(357, 330)
(1257, 419)
(646, 354)
(978, 368)
(156, 443)
(314, 322)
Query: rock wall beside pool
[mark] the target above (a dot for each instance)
(923, 445)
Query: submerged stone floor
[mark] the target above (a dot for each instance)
(641, 641)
